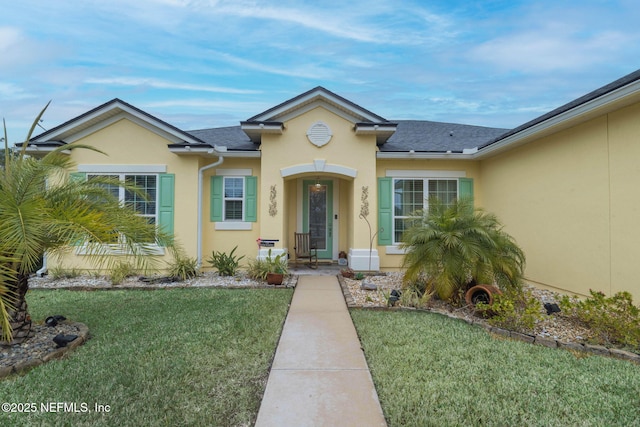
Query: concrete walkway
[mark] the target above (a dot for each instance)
(319, 375)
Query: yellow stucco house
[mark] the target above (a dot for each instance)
(565, 185)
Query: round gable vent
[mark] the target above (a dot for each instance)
(319, 134)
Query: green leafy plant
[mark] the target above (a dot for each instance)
(416, 293)
(258, 269)
(614, 320)
(184, 268)
(36, 218)
(64, 273)
(121, 271)
(452, 244)
(278, 265)
(359, 275)
(513, 310)
(226, 264)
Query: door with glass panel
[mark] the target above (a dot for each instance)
(317, 215)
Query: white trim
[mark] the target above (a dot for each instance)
(263, 253)
(126, 115)
(110, 114)
(400, 173)
(359, 259)
(312, 100)
(408, 155)
(233, 225)
(122, 168)
(233, 172)
(318, 165)
(115, 249)
(394, 250)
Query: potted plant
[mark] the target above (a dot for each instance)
(276, 268)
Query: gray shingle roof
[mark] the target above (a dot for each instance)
(233, 137)
(417, 135)
(426, 136)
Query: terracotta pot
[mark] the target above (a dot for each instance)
(348, 274)
(481, 293)
(275, 278)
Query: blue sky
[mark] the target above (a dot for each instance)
(209, 63)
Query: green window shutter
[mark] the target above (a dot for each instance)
(385, 211)
(77, 176)
(465, 188)
(166, 199)
(216, 198)
(251, 198)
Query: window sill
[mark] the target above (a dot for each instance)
(115, 250)
(394, 250)
(233, 225)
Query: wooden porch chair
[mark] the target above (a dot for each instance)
(305, 249)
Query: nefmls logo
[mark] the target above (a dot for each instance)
(64, 407)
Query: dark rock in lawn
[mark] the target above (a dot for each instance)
(62, 340)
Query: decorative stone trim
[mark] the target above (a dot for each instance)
(531, 339)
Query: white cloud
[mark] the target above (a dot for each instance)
(161, 84)
(547, 50)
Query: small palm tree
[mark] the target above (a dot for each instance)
(42, 211)
(451, 245)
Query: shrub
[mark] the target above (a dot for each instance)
(513, 310)
(456, 243)
(613, 320)
(258, 269)
(184, 268)
(227, 265)
(62, 273)
(415, 293)
(121, 271)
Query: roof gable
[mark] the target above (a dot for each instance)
(109, 113)
(313, 98)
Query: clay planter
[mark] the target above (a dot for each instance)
(275, 278)
(481, 293)
(347, 273)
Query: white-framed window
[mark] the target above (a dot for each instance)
(233, 206)
(412, 194)
(146, 207)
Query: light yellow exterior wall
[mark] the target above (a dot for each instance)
(291, 149)
(624, 155)
(567, 200)
(570, 199)
(127, 143)
(226, 240)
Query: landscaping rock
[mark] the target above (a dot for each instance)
(545, 342)
(367, 285)
(625, 355)
(597, 349)
(522, 337)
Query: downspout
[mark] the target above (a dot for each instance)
(200, 196)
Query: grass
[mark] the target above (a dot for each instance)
(167, 357)
(430, 370)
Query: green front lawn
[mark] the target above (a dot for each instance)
(430, 370)
(166, 357)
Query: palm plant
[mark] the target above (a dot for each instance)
(451, 245)
(42, 211)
